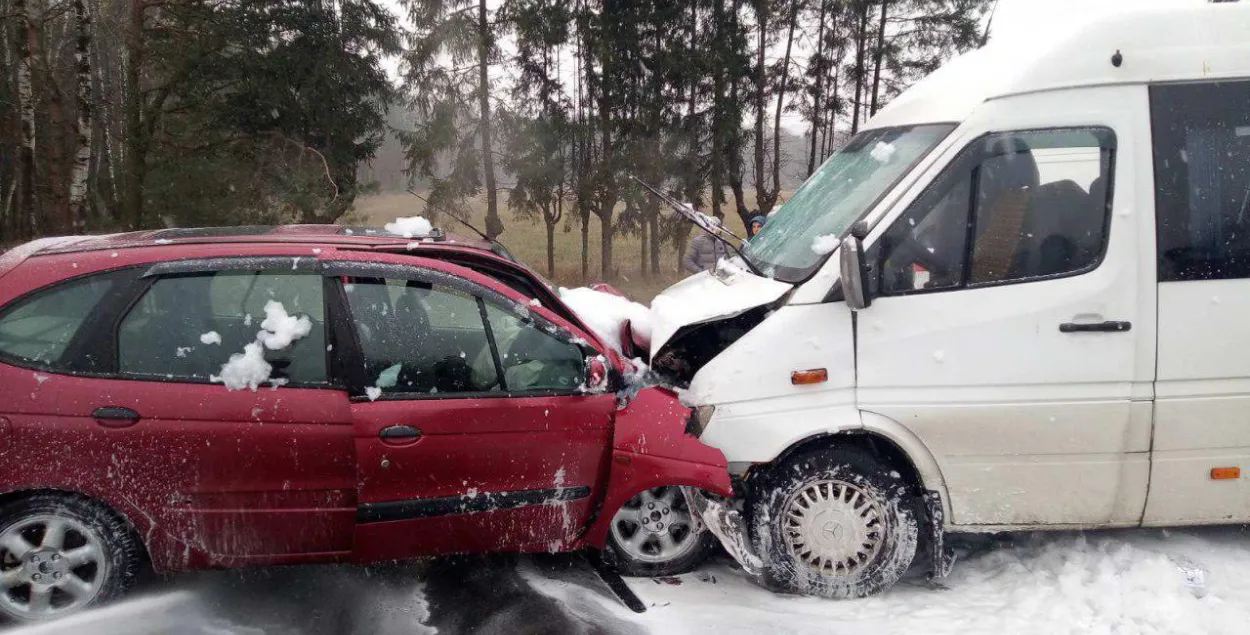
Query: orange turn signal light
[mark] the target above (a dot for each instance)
(1225, 473)
(805, 377)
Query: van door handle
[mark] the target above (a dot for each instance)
(399, 435)
(114, 417)
(1110, 326)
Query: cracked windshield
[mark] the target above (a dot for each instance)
(495, 317)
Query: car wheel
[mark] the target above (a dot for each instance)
(60, 554)
(655, 534)
(836, 524)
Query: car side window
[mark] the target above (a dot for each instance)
(1201, 137)
(1014, 207)
(534, 359)
(421, 338)
(38, 328)
(187, 327)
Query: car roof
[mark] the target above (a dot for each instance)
(337, 235)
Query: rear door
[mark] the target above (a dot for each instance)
(472, 432)
(229, 470)
(1202, 209)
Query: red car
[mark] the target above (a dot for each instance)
(254, 396)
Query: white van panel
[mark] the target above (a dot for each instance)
(1202, 409)
(759, 412)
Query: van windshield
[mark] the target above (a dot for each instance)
(848, 184)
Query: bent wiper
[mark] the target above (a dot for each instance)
(702, 221)
(495, 245)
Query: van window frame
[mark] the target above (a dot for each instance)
(971, 155)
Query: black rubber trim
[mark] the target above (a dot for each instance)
(431, 507)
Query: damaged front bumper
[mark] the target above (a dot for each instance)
(727, 524)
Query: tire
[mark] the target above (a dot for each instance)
(834, 523)
(95, 559)
(665, 541)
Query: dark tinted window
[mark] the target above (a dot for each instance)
(188, 327)
(418, 337)
(1014, 207)
(1202, 179)
(532, 358)
(39, 328)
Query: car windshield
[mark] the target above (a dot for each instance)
(848, 184)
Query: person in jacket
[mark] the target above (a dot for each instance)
(703, 251)
(757, 223)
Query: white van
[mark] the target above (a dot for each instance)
(1037, 315)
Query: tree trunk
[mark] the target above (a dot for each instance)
(551, 247)
(653, 220)
(136, 146)
(82, 157)
(494, 226)
(27, 202)
(861, 34)
(880, 54)
(761, 80)
(642, 245)
(766, 205)
(819, 93)
(605, 240)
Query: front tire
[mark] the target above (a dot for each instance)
(834, 523)
(60, 554)
(656, 534)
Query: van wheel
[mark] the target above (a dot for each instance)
(60, 554)
(655, 534)
(834, 523)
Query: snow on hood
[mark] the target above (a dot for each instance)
(725, 291)
(606, 314)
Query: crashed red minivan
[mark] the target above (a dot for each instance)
(247, 396)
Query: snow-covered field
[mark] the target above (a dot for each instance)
(1121, 582)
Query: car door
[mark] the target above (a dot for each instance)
(1005, 331)
(473, 431)
(228, 470)
(1201, 139)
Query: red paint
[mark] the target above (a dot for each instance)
(210, 477)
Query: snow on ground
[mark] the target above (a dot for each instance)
(1117, 582)
(1099, 582)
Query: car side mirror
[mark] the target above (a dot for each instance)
(854, 273)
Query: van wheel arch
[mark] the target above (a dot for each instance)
(875, 445)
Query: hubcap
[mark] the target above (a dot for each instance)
(656, 526)
(833, 527)
(49, 565)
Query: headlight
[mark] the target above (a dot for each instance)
(698, 420)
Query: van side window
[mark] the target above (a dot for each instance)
(39, 328)
(1202, 179)
(1013, 207)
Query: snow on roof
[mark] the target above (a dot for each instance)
(1198, 42)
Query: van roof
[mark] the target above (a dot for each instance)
(1196, 42)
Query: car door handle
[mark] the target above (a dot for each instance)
(399, 435)
(1109, 326)
(114, 417)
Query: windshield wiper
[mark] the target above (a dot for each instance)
(702, 221)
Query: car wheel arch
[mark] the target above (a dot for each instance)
(142, 534)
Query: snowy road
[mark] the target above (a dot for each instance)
(1109, 582)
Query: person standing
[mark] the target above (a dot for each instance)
(703, 251)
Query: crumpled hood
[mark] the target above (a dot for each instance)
(723, 292)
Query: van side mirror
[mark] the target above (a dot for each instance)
(854, 275)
